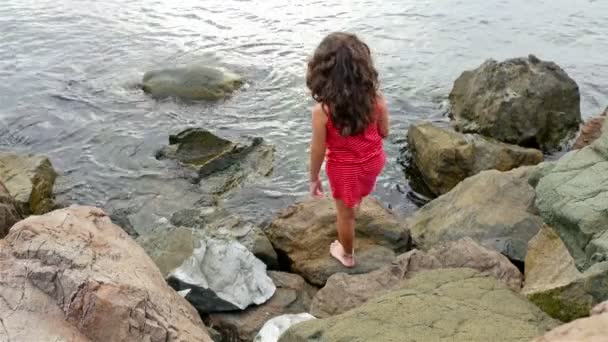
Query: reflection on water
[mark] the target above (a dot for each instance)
(70, 70)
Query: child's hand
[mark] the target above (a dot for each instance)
(316, 189)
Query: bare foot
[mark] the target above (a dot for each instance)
(337, 251)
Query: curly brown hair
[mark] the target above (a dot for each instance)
(341, 75)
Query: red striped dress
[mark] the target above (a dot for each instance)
(354, 162)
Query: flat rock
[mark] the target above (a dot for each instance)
(75, 276)
(222, 275)
(191, 83)
(304, 231)
(438, 305)
(591, 329)
(344, 292)
(293, 296)
(30, 180)
(494, 208)
(555, 284)
(274, 328)
(444, 157)
(9, 215)
(572, 197)
(522, 101)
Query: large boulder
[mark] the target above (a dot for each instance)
(572, 197)
(222, 275)
(494, 208)
(191, 83)
(9, 215)
(72, 275)
(591, 329)
(222, 164)
(554, 283)
(293, 296)
(444, 157)
(303, 232)
(590, 131)
(30, 180)
(344, 292)
(522, 101)
(439, 305)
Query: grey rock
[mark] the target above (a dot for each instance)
(222, 276)
(522, 101)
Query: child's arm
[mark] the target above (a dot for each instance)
(383, 118)
(317, 144)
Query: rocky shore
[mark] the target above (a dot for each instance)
(510, 247)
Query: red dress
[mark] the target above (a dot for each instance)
(354, 162)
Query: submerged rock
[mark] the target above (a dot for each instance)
(344, 292)
(9, 215)
(72, 275)
(222, 275)
(439, 305)
(572, 197)
(191, 83)
(494, 208)
(274, 328)
(304, 231)
(522, 101)
(222, 164)
(30, 180)
(554, 283)
(293, 296)
(592, 329)
(444, 158)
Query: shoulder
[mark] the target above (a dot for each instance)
(318, 114)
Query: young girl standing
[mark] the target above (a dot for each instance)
(349, 122)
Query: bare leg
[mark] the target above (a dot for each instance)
(343, 248)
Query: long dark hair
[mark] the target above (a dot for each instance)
(341, 75)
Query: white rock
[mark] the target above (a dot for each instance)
(274, 328)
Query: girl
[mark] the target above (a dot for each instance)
(349, 122)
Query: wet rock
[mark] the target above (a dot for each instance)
(293, 296)
(222, 275)
(591, 329)
(304, 231)
(120, 217)
(75, 276)
(344, 292)
(444, 157)
(30, 180)
(191, 83)
(494, 208)
(9, 215)
(274, 328)
(554, 283)
(522, 101)
(572, 197)
(438, 305)
(219, 165)
(590, 131)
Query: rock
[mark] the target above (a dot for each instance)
(591, 329)
(438, 305)
(554, 283)
(344, 292)
(590, 131)
(9, 215)
(75, 276)
(222, 164)
(274, 328)
(293, 296)
(222, 275)
(120, 217)
(494, 208)
(572, 197)
(522, 101)
(303, 232)
(444, 158)
(30, 179)
(191, 83)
